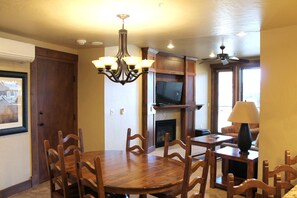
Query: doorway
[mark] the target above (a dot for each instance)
(231, 83)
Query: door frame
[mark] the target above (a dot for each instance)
(235, 68)
(43, 53)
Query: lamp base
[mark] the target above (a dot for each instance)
(244, 153)
(244, 139)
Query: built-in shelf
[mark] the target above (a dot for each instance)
(171, 107)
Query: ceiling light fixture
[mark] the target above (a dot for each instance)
(122, 68)
(241, 34)
(212, 54)
(81, 41)
(170, 45)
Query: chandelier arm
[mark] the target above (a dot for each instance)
(113, 78)
(134, 78)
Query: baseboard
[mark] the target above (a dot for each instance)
(15, 189)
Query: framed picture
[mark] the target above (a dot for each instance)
(13, 103)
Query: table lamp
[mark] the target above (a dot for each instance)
(244, 113)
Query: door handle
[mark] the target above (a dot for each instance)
(41, 124)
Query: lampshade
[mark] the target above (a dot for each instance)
(244, 112)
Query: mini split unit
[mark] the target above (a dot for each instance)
(16, 51)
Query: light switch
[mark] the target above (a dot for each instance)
(122, 111)
(111, 112)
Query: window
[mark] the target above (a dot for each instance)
(232, 83)
(250, 85)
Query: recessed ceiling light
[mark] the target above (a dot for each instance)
(81, 41)
(241, 34)
(170, 46)
(212, 54)
(97, 43)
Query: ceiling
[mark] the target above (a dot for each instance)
(195, 27)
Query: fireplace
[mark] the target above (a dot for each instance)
(162, 127)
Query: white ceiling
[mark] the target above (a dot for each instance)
(195, 27)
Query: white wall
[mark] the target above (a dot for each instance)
(203, 95)
(119, 96)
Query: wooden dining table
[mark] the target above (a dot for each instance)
(129, 173)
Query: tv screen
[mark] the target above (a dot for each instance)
(168, 92)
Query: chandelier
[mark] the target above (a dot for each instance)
(122, 68)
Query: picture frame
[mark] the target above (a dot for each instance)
(13, 103)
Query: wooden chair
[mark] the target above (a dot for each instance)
(185, 146)
(173, 155)
(190, 182)
(290, 160)
(71, 142)
(286, 173)
(136, 148)
(95, 185)
(248, 185)
(59, 184)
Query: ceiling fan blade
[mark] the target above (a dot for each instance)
(207, 60)
(233, 58)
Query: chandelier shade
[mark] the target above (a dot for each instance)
(122, 68)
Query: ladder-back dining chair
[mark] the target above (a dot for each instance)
(251, 184)
(59, 184)
(186, 147)
(286, 173)
(190, 181)
(71, 142)
(137, 148)
(176, 155)
(96, 187)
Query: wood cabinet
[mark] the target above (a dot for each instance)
(168, 67)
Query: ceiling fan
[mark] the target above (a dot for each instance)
(224, 58)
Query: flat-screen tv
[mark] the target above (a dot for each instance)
(168, 92)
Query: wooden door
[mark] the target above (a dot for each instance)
(54, 101)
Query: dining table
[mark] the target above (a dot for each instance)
(131, 173)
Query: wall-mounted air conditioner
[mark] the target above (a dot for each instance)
(16, 51)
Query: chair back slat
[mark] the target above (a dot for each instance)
(71, 142)
(249, 184)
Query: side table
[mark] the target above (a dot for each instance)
(210, 141)
(230, 153)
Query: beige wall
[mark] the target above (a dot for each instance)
(278, 116)
(15, 149)
(91, 99)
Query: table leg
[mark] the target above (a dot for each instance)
(213, 169)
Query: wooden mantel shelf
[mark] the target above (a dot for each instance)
(171, 107)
